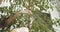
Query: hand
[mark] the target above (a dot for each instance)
(22, 29)
(26, 11)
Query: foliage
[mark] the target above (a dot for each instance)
(41, 21)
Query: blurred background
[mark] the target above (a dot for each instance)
(45, 15)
